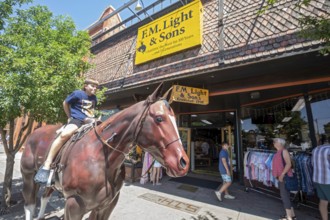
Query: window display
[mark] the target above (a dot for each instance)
(284, 118)
(321, 115)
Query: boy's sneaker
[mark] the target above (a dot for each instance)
(218, 194)
(42, 176)
(227, 196)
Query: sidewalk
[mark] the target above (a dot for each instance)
(171, 200)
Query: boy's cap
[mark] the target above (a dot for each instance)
(91, 81)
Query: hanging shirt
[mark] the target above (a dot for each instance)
(81, 105)
(321, 164)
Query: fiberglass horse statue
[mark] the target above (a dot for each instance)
(91, 179)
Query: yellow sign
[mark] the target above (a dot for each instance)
(179, 30)
(190, 95)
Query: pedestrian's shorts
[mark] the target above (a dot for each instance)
(226, 178)
(323, 191)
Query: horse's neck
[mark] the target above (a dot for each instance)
(124, 124)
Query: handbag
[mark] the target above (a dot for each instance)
(291, 182)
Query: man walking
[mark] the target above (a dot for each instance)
(224, 169)
(321, 177)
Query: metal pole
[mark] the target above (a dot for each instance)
(310, 120)
(238, 143)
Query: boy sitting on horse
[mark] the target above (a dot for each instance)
(79, 107)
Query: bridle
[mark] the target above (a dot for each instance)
(136, 133)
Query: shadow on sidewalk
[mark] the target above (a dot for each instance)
(17, 208)
(247, 201)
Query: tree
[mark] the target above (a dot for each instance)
(6, 9)
(42, 59)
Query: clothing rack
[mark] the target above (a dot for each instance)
(298, 197)
(300, 152)
(259, 189)
(260, 150)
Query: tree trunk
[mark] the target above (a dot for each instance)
(7, 183)
(11, 151)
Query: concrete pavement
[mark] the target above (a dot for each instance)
(171, 200)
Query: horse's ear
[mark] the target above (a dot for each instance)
(167, 95)
(157, 93)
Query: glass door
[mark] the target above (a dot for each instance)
(185, 135)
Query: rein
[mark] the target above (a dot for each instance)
(149, 168)
(105, 142)
(134, 144)
(141, 121)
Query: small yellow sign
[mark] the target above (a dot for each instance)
(176, 31)
(190, 95)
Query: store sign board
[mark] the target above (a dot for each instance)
(176, 31)
(190, 95)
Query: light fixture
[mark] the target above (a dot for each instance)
(193, 116)
(255, 95)
(299, 105)
(206, 122)
(231, 113)
(138, 6)
(286, 119)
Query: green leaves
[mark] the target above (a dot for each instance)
(317, 28)
(6, 9)
(42, 59)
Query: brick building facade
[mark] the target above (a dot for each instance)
(252, 64)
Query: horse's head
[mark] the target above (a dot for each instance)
(160, 137)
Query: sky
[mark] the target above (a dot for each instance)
(83, 12)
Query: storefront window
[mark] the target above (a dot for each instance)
(285, 118)
(320, 104)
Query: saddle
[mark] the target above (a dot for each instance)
(56, 167)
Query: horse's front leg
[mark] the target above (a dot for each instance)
(104, 213)
(106, 210)
(74, 208)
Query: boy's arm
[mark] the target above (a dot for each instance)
(66, 108)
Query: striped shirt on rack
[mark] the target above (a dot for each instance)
(321, 164)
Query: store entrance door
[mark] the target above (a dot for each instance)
(206, 133)
(185, 135)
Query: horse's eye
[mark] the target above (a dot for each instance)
(159, 119)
